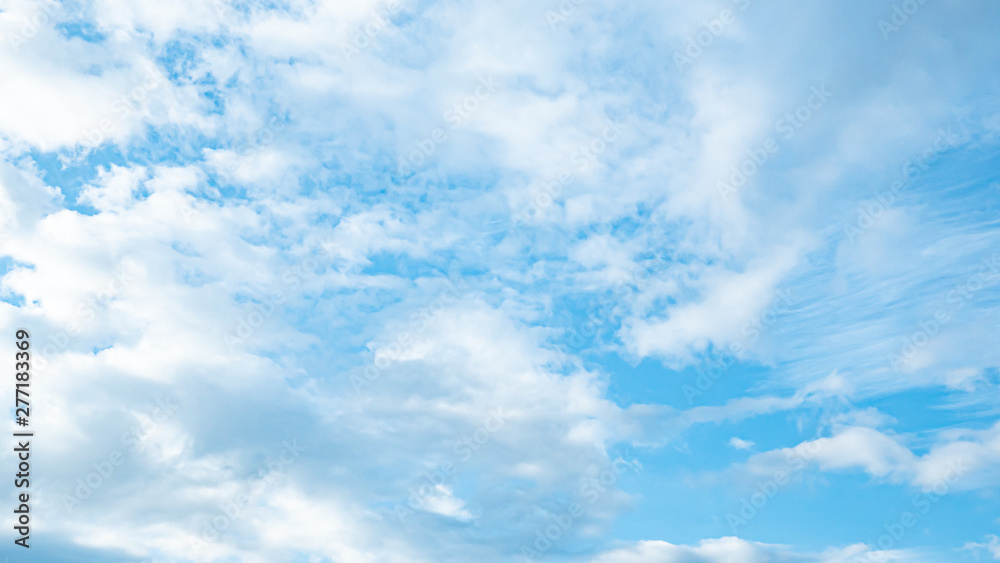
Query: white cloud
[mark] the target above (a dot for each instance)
(991, 547)
(736, 550)
(963, 379)
(114, 189)
(67, 93)
(960, 460)
(729, 301)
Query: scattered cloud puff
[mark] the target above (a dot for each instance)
(961, 459)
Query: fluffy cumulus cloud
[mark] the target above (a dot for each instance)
(968, 459)
(396, 281)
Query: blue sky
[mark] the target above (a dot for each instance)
(579, 281)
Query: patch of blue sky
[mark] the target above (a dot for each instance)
(810, 510)
(71, 171)
(80, 29)
(180, 57)
(398, 265)
(924, 412)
